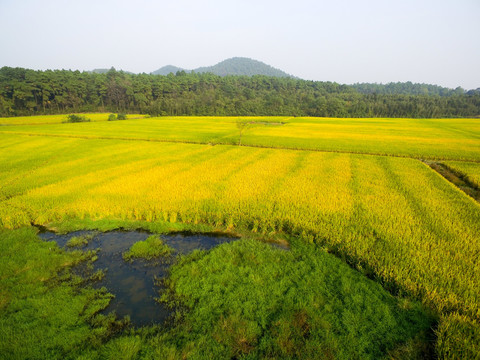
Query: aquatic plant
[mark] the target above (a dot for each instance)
(80, 241)
(151, 248)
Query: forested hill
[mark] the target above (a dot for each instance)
(233, 66)
(26, 92)
(104, 71)
(168, 69)
(242, 66)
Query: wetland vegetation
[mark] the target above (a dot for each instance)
(151, 248)
(128, 263)
(382, 257)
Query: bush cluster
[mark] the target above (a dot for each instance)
(73, 118)
(120, 116)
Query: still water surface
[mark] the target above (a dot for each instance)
(132, 283)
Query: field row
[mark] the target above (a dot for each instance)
(448, 139)
(393, 217)
(55, 119)
(470, 170)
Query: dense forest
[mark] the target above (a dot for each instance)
(30, 92)
(408, 88)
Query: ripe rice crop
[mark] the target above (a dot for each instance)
(452, 139)
(393, 216)
(54, 119)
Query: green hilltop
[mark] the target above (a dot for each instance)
(232, 66)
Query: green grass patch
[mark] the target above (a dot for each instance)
(151, 248)
(46, 312)
(80, 241)
(248, 299)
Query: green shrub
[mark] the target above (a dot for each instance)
(73, 118)
(112, 117)
(122, 116)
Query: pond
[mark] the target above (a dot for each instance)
(132, 283)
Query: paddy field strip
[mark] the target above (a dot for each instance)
(55, 119)
(391, 217)
(445, 139)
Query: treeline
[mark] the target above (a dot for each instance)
(30, 92)
(409, 88)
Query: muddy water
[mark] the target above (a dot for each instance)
(132, 283)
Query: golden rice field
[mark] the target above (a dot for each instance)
(392, 217)
(54, 119)
(447, 139)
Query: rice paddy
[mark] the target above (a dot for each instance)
(55, 119)
(447, 139)
(351, 188)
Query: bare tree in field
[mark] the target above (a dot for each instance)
(241, 126)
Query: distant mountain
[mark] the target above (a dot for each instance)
(104, 71)
(99, 71)
(233, 66)
(242, 66)
(167, 70)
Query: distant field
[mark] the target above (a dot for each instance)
(54, 119)
(452, 139)
(429, 138)
(391, 217)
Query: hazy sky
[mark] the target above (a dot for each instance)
(347, 41)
